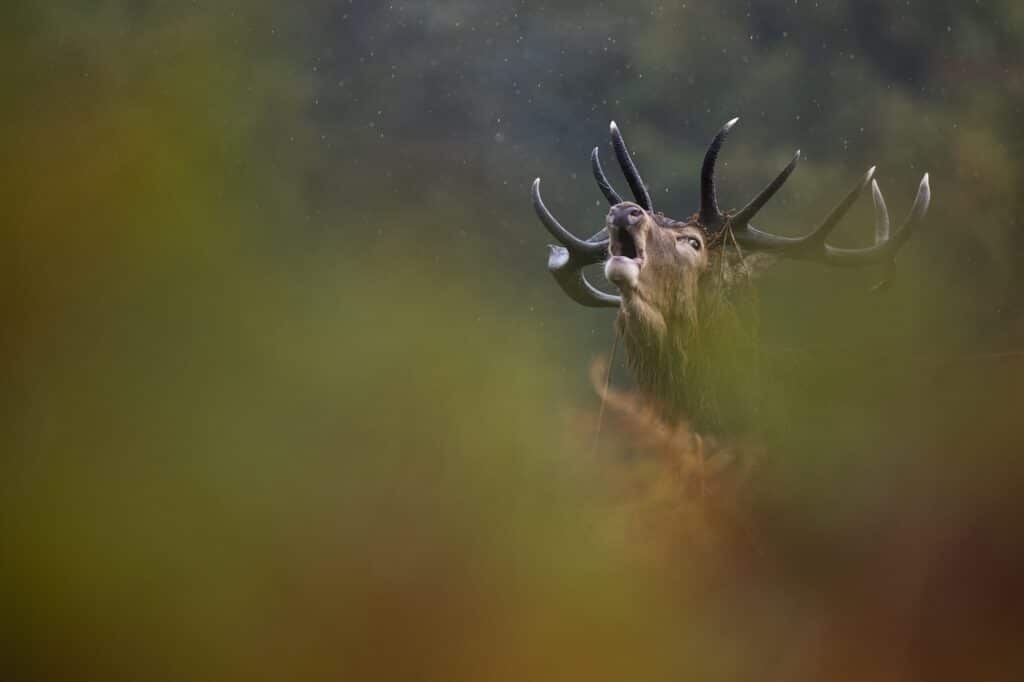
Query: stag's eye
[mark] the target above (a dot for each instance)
(692, 241)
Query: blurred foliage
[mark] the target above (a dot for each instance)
(290, 395)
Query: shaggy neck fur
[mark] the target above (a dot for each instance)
(695, 357)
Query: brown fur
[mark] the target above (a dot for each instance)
(677, 489)
(687, 339)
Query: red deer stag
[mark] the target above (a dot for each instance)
(681, 283)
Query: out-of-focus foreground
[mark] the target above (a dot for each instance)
(290, 396)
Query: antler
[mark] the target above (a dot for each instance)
(636, 183)
(709, 215)
(811, 246)
(566, 262)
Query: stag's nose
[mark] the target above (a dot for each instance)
(625, 215)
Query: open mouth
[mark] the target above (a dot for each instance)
(625, 245)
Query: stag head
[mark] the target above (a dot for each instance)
(679, 280)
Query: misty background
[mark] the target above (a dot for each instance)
(290, 393)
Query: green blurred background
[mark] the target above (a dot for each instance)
(290, 394)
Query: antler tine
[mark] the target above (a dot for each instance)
(809, 246)
(885, 252)
(917, 213)
(882, 234)
(591, 251)
(566, 262)
(569, 276)
(819, 235)
(813, 246)
(602, 180)
(636, 183)
(881, 214)
(710, 215)
(746, 214)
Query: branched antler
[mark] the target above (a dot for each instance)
(566, 262)
(811, 246)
